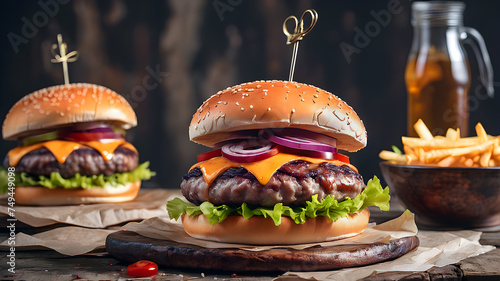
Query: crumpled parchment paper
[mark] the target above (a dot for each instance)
(149, 203)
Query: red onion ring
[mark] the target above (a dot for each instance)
(249, 150)
(301, 143)
(317, 154)
(301, 133)
(87, 126)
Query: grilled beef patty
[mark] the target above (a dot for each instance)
(85, 161)
(294, 183)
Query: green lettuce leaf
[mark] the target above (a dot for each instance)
(3, 181)
(372, 195)
(55, 180)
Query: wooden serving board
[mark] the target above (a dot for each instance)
(130, 247)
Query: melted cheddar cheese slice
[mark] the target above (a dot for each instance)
(61, 149)
(262, 170)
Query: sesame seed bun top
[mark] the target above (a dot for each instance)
(277, 104)
(62, 105)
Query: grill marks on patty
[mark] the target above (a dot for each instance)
(85, 161)
(292, 184)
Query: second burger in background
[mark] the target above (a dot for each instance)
(275, 175)
(72, 147)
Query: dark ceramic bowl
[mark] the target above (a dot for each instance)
(447, 197)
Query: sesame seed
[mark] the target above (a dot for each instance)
(250, 90)
(242, 109)
(268, 109)
(237, 103)
(302, 99)
(316, 96)
(251, 106)
(259, 86)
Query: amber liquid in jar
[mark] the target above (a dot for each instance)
(438, 93)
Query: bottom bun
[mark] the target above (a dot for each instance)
(263, 231)
(42, 196)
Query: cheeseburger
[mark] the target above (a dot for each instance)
(72, 147)
(275, 174)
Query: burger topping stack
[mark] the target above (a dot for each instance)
(275, 157)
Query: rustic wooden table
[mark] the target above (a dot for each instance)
(50, 265)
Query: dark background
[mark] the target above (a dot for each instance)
(203, 46)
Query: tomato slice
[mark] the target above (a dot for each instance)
(208, 155)
(341, 157)
(142, 268)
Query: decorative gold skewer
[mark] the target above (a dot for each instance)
(297, 35)
(63, 57)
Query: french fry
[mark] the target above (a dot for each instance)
(451, 134)
(450, 150)
(392, 156)
(447, 162)
(470, 150)
(469, 162)
(422, 130)
(481, 133)
(485, 158)
(439, 143)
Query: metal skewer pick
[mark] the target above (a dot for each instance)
(297, 35)
(63, 57)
